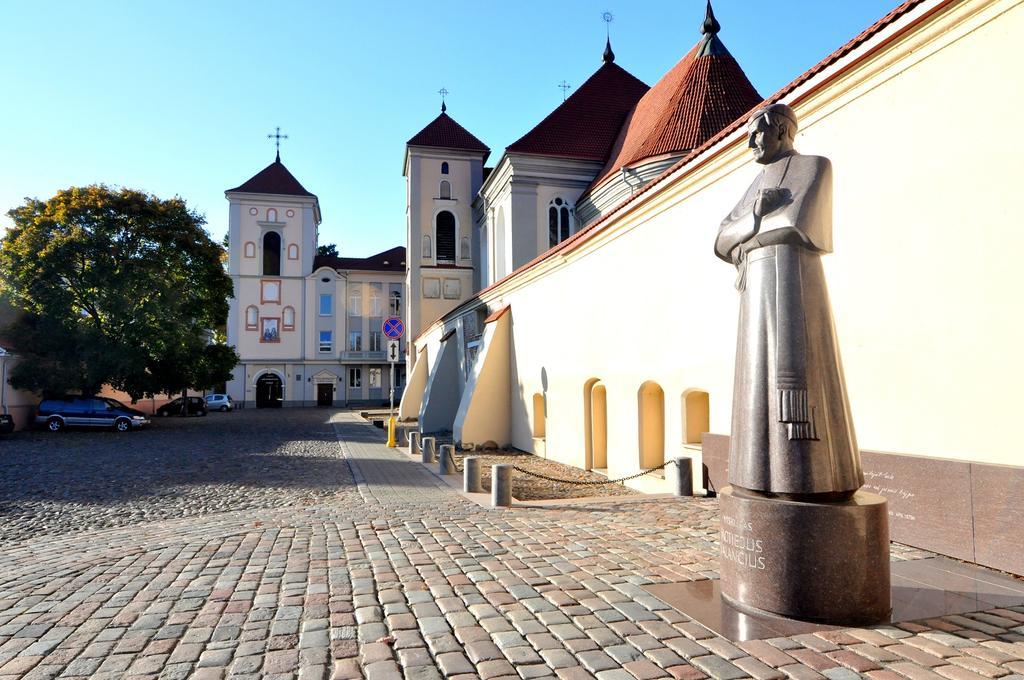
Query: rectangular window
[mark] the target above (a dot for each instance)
(375, 341)
(270, 291)
(325, 341)
(375, 301)
(326, 304)
(374, 377)
(355, 341)
(355, 302)
(355, 377)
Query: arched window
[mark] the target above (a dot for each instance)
(271, 254)
(375, 303)
(427, 252)
(445, 190)
(250, 249)
(696, 416)
(355, 301)
(395, 307)
(651, 412)
(560, 221)
(464, 249)
(293, 252)
(288, 319)
(271, 215)
(444, 168)
(445, 237)
(252, 318)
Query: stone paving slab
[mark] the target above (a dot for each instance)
(395, 575)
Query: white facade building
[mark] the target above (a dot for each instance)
(307, 327)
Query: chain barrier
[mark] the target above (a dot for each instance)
(581, 483)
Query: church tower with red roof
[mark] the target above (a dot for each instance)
(444, 166)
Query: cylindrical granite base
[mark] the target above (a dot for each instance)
(826, 562)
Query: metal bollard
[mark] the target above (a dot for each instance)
(414, 443)
(471, 475)
(446, 461)
(501, 486)
(684, 476)
(429, 449)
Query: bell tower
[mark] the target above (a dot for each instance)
(443, 173)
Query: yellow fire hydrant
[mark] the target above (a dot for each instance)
(391, 433)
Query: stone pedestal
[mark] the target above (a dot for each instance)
(825, 562)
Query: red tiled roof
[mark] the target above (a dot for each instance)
(700, 96)
(444, 132)
(392, 260)
(273, 179)
(586, 124)
(592, 229)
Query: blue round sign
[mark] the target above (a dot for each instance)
(393, 328)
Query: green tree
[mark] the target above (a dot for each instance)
(327, 249)
(116, 287)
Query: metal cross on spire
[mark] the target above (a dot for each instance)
(565, 89)
(444, 93)
(277, 137)
(607, 17)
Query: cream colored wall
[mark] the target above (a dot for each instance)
(923, 279)
(483, 413)
(412, 396)
(249, 345)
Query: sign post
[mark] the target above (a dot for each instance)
(393, 329)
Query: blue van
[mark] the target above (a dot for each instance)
(56, 414)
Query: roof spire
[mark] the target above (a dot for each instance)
(710, 25)
(608, 56)
(444, 93)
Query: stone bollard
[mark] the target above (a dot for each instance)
(471, 475)
(501, 486)
(446, 460)
(414, 443)
(429, 449)
(684, 476)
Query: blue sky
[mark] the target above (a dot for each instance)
(178, 97)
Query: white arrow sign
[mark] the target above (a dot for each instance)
(394, 355)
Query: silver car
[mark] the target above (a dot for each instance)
(219, 402)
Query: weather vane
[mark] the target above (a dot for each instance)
(277, 137)
(607, 17)
(565, 89)
(444, 93)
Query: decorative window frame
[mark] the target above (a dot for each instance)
(264, 300)
(293, 251)
(395, 303)
(458, 230)
(264, 320)
(355, 377)
(272, 215)
(355, 341)
(565, 220)
(255, 325)
(427, 250)
(376, 302)
(444, 190)
(249, 250)
(465, 249)
(285, 326)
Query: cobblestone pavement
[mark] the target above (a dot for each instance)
(396, 576)
(56, 483)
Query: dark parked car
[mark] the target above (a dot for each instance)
(196, 407)
(6, 423)
(74, 411)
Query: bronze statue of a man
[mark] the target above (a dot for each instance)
(792, 434)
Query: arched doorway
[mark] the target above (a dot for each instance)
(651, 407)
(269, 391)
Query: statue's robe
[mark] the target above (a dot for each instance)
(791, 427)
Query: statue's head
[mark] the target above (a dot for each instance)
(770, 132)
